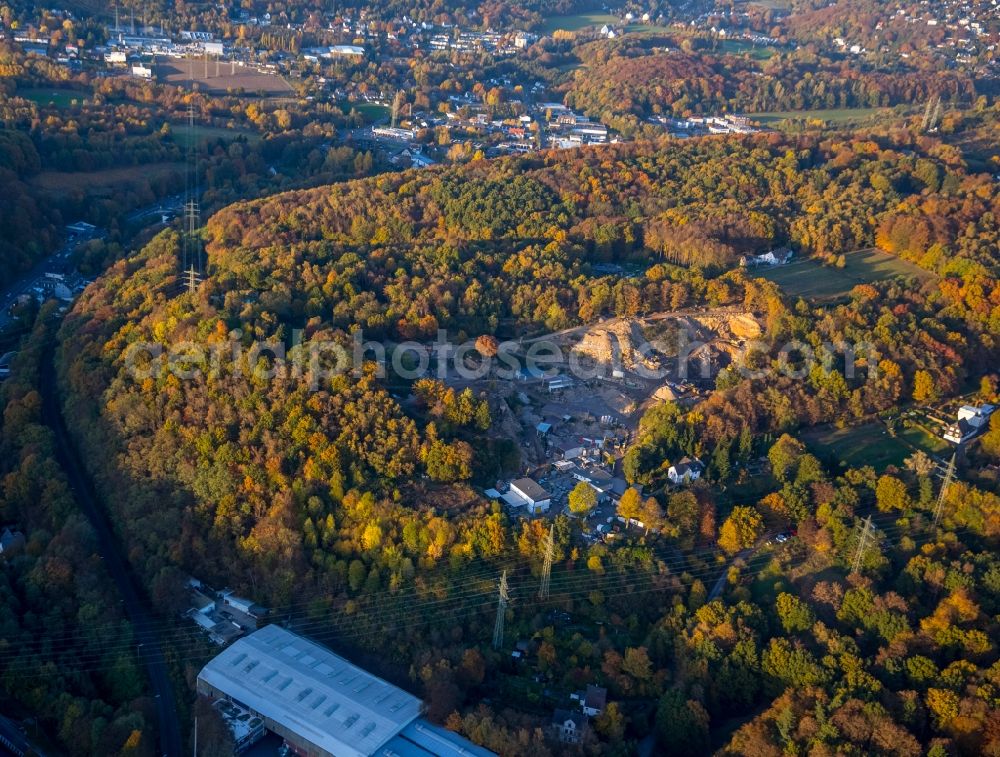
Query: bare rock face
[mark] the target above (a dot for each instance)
(619, 343)
(745, 327)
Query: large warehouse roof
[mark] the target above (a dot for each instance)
(311, 691)
(421, 738)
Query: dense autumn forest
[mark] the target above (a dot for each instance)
(58, 590)
(349, 504)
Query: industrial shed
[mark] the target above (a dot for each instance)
(322, 704)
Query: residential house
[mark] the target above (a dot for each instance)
(773, 257)
(569, 726)
(594, 701)
(685, 470)
(972, 421)
(599, 479)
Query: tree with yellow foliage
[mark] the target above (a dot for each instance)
(741, 529)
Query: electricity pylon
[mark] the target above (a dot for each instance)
(948, 476)
(396, 101)
(860, 551)
(501, 612)
(191, 280)
(550, 549)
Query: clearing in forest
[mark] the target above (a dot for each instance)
(808, 277)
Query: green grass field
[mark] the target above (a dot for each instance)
(870, 444)
(780, 5)
(577, 21)
(641, 28)
(60, 98)
(806, 277)
(830, 116)
(739, 47)
(183, 134)
(371, 112)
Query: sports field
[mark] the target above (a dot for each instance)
(371, 112)
(578, 21)
(741, 46)
(806, 277)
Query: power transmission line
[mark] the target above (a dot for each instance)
(948, 476)
(466, 589)
(936, 117)
(501, 612)
(192, 641)
(860, 552)
(550, 550)
(191, 280)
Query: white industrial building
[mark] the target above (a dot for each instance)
(525, 492)
(320, 703)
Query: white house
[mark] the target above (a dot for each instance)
(773, 257)
(527, 492)
(568, 726)
(972, 421)
(685, 470)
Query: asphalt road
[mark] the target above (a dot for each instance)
(149, 647)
